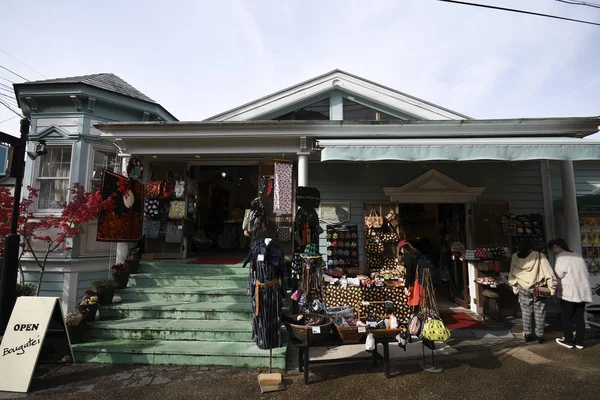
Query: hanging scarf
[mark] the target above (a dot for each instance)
(282, 198)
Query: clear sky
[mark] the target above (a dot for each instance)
(198, 58)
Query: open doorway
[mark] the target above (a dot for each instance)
(432, 228)
(224, 192)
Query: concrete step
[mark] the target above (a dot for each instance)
(188, 280)
(183, 268)
(183, 294)
(244, 355)
(166, 329)
(177, 310)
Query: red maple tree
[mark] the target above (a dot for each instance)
(54, 231)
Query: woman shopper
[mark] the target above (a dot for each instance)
(574, 291)
(528, 269)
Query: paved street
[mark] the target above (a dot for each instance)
(490, 369)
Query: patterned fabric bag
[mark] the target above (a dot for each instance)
(434, 329)
(151, 208)
(173, 233)
(179, 189)
(152, 189)
(168, 189)
(192, 186)
(284, 234)
(177, 209)
(373, 220)
(282, 198)
(153, 229)
(457, 247)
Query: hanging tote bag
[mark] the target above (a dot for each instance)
(282, 198)
(192, 186)
(174, 233)
(179, 189)
(152, 189)
(373, 220)
(177, 209)
(153, 229)
(434, 329)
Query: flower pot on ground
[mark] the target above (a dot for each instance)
(120, 274)
(76, 326)
(89, 306)
(105, 289)
(133, 265)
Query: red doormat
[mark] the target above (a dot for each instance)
(216, 260)
(461, 321)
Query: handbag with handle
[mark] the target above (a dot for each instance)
(177, 209)
(174, 233)
(152, 189)
(540, 289)
(373, 220)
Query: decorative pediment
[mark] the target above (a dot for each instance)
(433, 187)
(337, 81)
(53, 132)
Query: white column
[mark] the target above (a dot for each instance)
(303, 169)
(572, 233)
(123, 247)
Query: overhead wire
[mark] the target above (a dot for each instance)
(10, 108)
(6, 79)
(580, 3)
(14, 73)
(31, 68)
(465, 3)
(8, 119)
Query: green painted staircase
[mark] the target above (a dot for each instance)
(181, 314)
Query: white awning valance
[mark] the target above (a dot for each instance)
(501, 149)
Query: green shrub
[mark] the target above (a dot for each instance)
(25, 290)
(104, 284)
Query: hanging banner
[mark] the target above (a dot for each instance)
(36, 323)
(122, 223)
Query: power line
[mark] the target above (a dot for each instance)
(6, 79)
(6, 90)
(7, 106)
(520, 11)
(14, 73)
(34, 70)
(580, 3)
(11, 98)
(2, 86)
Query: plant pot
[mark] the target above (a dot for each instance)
(76, 333)
(121, 280)
(89, 312)
(132, 266)
(105, 295)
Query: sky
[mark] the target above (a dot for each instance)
(199, 58)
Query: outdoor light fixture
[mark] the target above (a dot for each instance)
(154, 156)
(40, 150)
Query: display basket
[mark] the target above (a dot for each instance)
(305, 334)
(351, 334)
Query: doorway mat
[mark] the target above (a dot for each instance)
(216, 260)
(461, 321)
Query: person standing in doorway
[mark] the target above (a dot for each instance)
(527, 269)
(574, 291)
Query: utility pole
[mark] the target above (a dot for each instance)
(10, 259)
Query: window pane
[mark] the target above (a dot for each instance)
(57, 163)
(53, 193)
(102, 160)
(357, 112)
(318, 111)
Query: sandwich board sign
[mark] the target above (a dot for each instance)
(36, 327)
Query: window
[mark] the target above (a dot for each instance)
(102, 160)
(357, 112)
(53, 177)
(318, 111)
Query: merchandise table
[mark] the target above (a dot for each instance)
(304, 354)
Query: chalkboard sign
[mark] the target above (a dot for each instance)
(36, 326)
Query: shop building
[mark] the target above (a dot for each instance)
(364, 146)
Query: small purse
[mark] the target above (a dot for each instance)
(414, 324)
(434, 329)
(177, 209)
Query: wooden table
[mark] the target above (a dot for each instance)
(304, 360)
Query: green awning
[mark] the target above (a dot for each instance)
(501, 149)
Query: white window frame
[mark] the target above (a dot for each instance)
(36, 175)
(90, 168)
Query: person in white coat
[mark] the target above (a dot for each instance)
(574, 291)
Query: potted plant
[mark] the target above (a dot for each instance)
(105, 289)
(133, 263)
(27, 289)
(120, 274)
(76, 326)
(89, 306)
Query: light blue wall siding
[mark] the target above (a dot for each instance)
(52, 283)
(587, 178)
(519, 184)
(85, 280)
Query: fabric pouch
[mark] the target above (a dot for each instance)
(284, 234)
(177, 209)
(173, 233)
(153, 229)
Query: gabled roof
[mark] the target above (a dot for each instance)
(338, 80)
(106, 81)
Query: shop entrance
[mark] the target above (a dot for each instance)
(432, 228)
(224, 192)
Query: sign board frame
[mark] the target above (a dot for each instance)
(36, 325)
